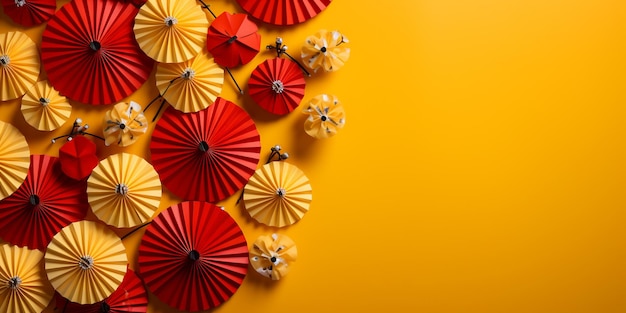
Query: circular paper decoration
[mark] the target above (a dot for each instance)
(124, 124)
(277, 85)
(124, 190)
(193, 256)
(14, 159)
(278, 194)
(233, 39)
(325, 50)
(89, 52)
(130, 296)
(270, 256)
(29, 12)
(207, 155)
(284, 12)
(44, 108)
(171, 31)
(325, 116)
(192, 85)
(78, 157)
(85, 262)
(23, 283)
(19, 65)
(46, 202)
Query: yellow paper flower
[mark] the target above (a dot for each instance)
(124, 123)
(326, 116)
(325, 50)
(270, 255)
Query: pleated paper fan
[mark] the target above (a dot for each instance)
(14, 159)
(44, 108)
(19, 65)
(193, 256)
(284, 12)
(278, 194)
(277, 85)
(29, 12)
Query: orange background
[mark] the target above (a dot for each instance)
(481, 169)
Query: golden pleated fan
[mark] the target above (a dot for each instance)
(14, 159)
(278, 194)
(23, 283)
(85, 262)
(44, 108)
(19, 65)
(197, 83)
(124, 190)
(271, 255)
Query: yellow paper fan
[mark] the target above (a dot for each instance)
(198, 82)
(171, 31)
(44, 108)
(278, 194)
(325, 50)
(271, 255)
(19, 65)
(124, 124)
(325, 116)
(85, 262)
(14, 159)
(124, 190)
(23, 283)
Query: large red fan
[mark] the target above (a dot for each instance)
(284, 12)
(90, 54)
(193, 256)
(46, 202)
(233, 39)
(130, 296)
(277, 85)
(207, 155)
(29, 12)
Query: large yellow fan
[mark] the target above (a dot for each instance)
(44, 108)
(85, 262)
(171, 31)
(14, 159)
(124, 190)
(191, 86)
(278, 194)
(19, 65)
(23, 283)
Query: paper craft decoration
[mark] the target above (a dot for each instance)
(277, 85)
(85, 262)
(270, 256)
(78, 157)
(19, 65)
(89, 52)
(193, 256)
(192, 85)
(124, 124)
(233, 39)
(44, 108)
(325, 116)
(124, 190)
(46, 202)
(207, 155)
(130, 296)
(23, 283)
(278, 194)
(171, 31)
(284, 12)
(14, 159)
(325, 50)
(29, 12)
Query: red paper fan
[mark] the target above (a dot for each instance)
(233, 39)
(46, 202)
(193, 256)
(284, 12)
(207, 155)
(78, 157)
(130, 296)
(277, 85)
(29, 12)
(90, 54)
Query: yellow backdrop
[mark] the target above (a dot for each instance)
(481, 169)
